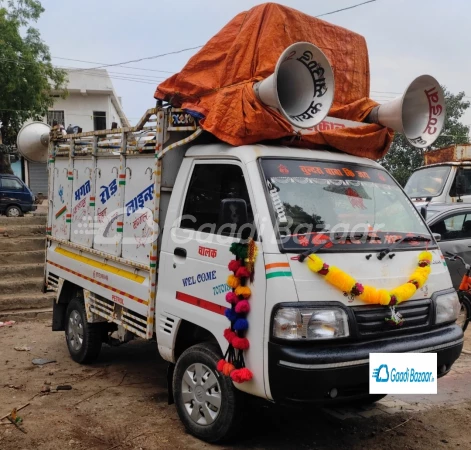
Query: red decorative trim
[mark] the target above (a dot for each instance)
(132, 297)
(195, 301)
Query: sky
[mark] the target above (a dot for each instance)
(405, 38)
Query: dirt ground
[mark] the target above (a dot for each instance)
(121, 403)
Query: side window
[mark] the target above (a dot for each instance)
(466, 183)
(10, 184)
(211, 189)
(457, 226)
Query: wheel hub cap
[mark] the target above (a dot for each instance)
(201, 394)
(75, 330)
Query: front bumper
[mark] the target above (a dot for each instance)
(29, 208)
(307, 373)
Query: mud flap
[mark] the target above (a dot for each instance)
(170, 370)
(58, 316)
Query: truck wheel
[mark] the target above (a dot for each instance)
(14, 211)
(83, 339)
(207, 402)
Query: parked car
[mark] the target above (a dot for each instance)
(453, 223)
(15, 197)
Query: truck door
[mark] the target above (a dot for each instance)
(455, 231)
(193, 266)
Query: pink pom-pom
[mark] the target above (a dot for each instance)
(241, 375)
(242, 307)
(242, 272)
(240, 343)
(220, 365)
(229, 335)
(231, 298)
(234, 265)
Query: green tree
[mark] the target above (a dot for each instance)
(27, 76)
(403, 158)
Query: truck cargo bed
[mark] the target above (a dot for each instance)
(108, 193)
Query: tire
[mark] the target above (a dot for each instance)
(215, 420)
(465, 312)
(83, 339)
(13, 211)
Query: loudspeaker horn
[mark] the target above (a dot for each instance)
(33, 141)
(419, 113)
(302, 86)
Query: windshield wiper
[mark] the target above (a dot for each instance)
(314, 249)
(384, 252)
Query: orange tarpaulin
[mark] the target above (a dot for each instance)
(216, 83)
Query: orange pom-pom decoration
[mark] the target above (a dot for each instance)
(233, 281)
(227, 369)
(243, 291)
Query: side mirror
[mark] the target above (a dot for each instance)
(437, 236)
(423, 212)
(460, 183)
(232, 215)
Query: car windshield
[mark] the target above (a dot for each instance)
(347, 203)
(427, 182)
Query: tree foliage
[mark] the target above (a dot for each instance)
(403, 158)
(27, 76)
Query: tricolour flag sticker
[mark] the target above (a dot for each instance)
(279, 269)
(61, 212)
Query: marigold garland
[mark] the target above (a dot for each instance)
(233, 364)
(369, 294)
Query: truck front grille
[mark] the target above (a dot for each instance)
(370, 320)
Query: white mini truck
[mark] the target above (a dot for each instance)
(140, 226)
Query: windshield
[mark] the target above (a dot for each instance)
(347, 203)
(427, 182)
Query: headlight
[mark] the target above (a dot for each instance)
(447, 307)
(303, 323)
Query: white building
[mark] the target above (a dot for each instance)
(92, 104)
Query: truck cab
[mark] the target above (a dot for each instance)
(311, 342)
(445, 177)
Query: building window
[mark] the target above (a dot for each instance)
(57, 116)
(99, 120)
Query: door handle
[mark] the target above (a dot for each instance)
(180, 252)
